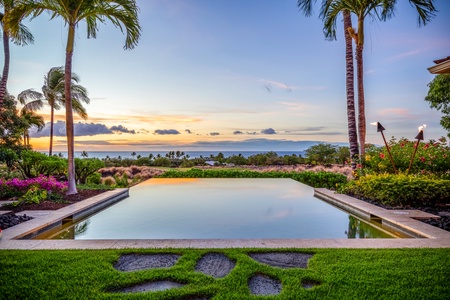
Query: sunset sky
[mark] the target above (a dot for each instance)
(234, 75)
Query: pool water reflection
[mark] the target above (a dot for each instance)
(220, 209)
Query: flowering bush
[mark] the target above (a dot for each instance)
(432, 157)
(16, 187)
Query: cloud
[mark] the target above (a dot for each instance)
(80, 129)
(214, 133)
(188, 131)
(295, 105)
(403, 55)
(252, 133)
(122, 129)
(144, 131)
(166, 132)
(237, 132)
(268, 131)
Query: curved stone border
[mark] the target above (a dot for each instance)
(217, 265)
(136, 262)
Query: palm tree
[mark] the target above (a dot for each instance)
(53, 95)
(30, 119)
(121, 13)
(306, 7)
(375, 9)
(23, 37)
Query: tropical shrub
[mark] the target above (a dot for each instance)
(8, 156)
(121, 181)
(314, 179)
(94, 178)
(32, 164)
(16, 187)
(162, 162)
(85, 167)
(432, 157)
(400, 190)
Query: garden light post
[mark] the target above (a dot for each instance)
(380, 128)
(418, 137)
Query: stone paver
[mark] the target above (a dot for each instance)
(151, 286)
(264, 285)
(215, 264)
(136, 262)
(283, 260)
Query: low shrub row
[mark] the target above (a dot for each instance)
(399, 190)
(314, 179)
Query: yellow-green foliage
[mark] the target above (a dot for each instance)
(400, 190)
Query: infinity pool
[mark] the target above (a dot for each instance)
(220, 209)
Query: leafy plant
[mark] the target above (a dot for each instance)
(32, 164)
(33, 195)
(400, 190)
(121, 181)
(86, 167)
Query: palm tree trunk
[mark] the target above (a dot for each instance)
(350, 88)
(72, 188)
(52, 116)
(361, 100)
(5, 68)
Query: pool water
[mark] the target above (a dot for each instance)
(215, 208)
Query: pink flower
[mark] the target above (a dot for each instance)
(422, 159)
(382, 155)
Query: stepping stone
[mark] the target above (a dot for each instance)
(283, 260)
(135, 262)
(307, 284)
(215, 264)
(263, 285)
(151, 286)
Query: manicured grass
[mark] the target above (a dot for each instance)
(341, 274)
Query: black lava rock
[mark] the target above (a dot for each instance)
(9, 220)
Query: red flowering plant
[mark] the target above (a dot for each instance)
(432, 157)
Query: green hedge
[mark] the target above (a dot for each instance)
(400, 190)
(314, 179)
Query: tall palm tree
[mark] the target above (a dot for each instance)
(30, 119)
(53, 95)
(23, 37)
(306, 7)
(122, 14)
(377, 10)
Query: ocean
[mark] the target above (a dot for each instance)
(192, 154)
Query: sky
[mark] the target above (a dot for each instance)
(234, 75)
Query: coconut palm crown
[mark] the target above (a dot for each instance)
(23, 37)
(121, 13)
(53, 95)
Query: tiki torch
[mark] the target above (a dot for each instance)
(380, 129)
(419, 137)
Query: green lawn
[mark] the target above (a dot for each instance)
(341, 274)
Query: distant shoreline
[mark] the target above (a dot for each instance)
(192, 154)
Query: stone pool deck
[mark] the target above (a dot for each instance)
(399, 220)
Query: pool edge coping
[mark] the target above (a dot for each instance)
(435, 237)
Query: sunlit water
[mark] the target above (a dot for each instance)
(221, 209)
